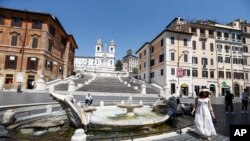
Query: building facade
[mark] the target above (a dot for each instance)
(104, 59)
(188, 56)
(33, 44)
(129, 62)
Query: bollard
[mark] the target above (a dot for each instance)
(101, 103)
(143, 89)
(49, 109)
(79, 135)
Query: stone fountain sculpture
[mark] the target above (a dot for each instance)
(130, 107)
(77, 114)
(166, 105)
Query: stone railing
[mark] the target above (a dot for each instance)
(58, 81)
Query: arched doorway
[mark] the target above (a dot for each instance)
(236, 90)
(212, 89)
(184, 90)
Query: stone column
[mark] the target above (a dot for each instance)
(40, 83)
(143, 89)
(71, 87)
(79, 135)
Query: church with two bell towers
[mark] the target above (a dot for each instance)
(104, 59)
(105, 56)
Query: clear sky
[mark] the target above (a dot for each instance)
(129, 22)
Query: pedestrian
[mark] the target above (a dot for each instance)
(245, 99)
(229, 102)
(203, 115)
(88, 99)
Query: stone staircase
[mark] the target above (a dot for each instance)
(134, 83)
(107, 84)
(64, 87)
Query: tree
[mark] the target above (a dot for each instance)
(118, 65)
(135, 70)
(129, 52)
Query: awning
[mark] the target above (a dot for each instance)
(184, 85)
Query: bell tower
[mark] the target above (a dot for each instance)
(112, 46)
(99, 46)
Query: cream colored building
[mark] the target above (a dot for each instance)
(188, 56)
(129, 62)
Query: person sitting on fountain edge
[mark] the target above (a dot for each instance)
(88, 99)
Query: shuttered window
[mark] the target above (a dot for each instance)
(10, 62)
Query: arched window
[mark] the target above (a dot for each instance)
(98, 48)
(111, 50)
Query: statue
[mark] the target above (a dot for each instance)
(78, 115)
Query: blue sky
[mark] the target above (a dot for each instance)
(129, 22)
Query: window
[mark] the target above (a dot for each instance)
(226, 35)
(227, 60)
(202, 32)
(152, 63)
(49, 65)
(34, 42)
(162, 72)
(1, 20)
(244, 40)
(194, 45)
(234, 60)
(140, 67)
(204, 74)
(218, 34)
(194, 60)
(219, 47)
(172, 40)
(193, 30)
(185, 42)
(32, 63)
(246, 76)
(228, 75)
(140, 55)
(245, 61)
(238, 37)
(220, 59)
(162, 42)
(221, 74)
(204, 61)
(144, 64)
(50, 45)
(144, 76)
(9, 79)
(211, 33)
(161, 58)
(52, 30)
(145, 52)
(172, 71)
(16, 22)
(203, 45)
(152, 75)
(211, 74)
(233, 36)
(195, 73)
(111, 49)
(14, 40)
(227, 48)
(186, 72)
(98, 48)
(211, 47)
(10, 62)
(212, 62)
(172, 88)
(185, 58)
(172, 56)
(37, 24)
(152, 49)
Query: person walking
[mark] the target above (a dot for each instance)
(88, 99)
(245, 99)
(229, 102)
(203, 115)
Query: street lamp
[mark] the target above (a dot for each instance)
(178, 69)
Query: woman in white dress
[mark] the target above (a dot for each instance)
(203, 115)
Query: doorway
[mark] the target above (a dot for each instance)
(236, 90)
(30, 82)
(212, 89)
(184, 90)
(172, 88)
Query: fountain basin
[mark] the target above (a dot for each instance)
(115, 118)
(130, 108)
